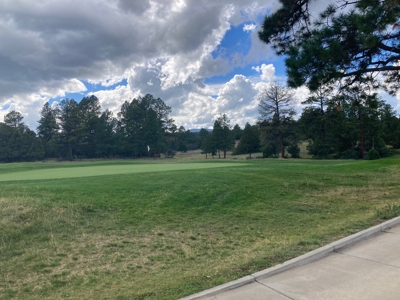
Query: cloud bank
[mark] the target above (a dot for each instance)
(168, 48)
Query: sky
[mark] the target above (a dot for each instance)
(201, 57)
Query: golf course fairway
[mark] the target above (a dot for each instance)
(87, 171)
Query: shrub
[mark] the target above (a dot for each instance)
(169, 153)
(349, 154)
(294, 151)
(270, 152)
(373, 154)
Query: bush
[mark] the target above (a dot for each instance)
(294, 151)
(349, 154)
(270, 152)
(169, 153)
(373, 154)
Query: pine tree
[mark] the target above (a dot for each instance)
(353, 45)
(276, 112)
(250, 140)
(222, 135)
(48, 129)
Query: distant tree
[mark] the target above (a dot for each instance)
(182, 147)
(17, 141)
(203, 134)
(106, 139)
(144, 122)
(390, 126)
(89, 111)
(187, 140)
(208, 146)
(207, 142)
(70, 129)
(48, 129)
(324, 132)
(222, 135)
(237, 132)
(14, 119)
(276, 111)
(363, 107)
(316, 122)
(250, 141)
(153, 133)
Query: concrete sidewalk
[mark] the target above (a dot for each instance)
(365, 265)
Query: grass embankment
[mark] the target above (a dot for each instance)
(163, 235)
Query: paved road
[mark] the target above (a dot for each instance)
(367, 270)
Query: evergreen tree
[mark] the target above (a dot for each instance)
(363, 109)
(105, 139)
(353, 45)
(14, 119)
(48, 129)
(208, 146)
(390, 126)
(89, 111)
(142, 122)
(222, 135)
(153, 134)
(17, 141)
(70, 125)
(276, 112)
(250, 140)
(237, 132)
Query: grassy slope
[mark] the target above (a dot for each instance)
(164, 235)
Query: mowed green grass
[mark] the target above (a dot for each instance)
(88, 171)
(164, 235)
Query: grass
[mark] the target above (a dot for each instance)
(102, 170)
(164, 235)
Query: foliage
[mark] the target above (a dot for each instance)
(271, 151)
(48, 129)
(222, 135)
(17, 141)
(237, 132)
(208, 145)
(250, 140)
(14, 119)
(143, 123)
(182, 147)
(349, 154)
(373, 154)
(294, 151)
(169, 153)
(352, 44)
(276, 111)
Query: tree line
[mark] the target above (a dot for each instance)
(73, 130)
(350, 124)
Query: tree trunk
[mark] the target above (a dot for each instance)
(281, 142)
(219, 154)
(224, 153)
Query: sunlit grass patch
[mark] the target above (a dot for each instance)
(88, 171)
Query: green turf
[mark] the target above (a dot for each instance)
(87, 171)
(164, 235)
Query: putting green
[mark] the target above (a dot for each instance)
(59, 173)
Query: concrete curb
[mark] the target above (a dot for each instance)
(298, 261)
